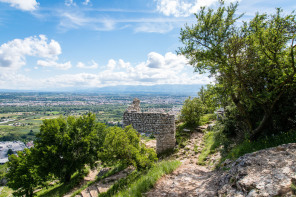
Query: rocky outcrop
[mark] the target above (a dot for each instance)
(267, 172)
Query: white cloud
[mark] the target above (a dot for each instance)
(111, 64)
(184, 8)
(93, 65)
(13, 80)
(74, 80)
(51, 63)
(86, 2)
(155, 60)
(77, 20)
(154, 27)
(26, 5)
(13, 53)
(70, 3)
(157, 69)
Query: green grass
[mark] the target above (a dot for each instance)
(147, 138)
(5, 191)
(293, 188)
(271, 141)
(114, 170)
(195, 149)
(60, 189)
(3, 169)
(135, 186)
(182, 136)
(207, 118)
(211, 140)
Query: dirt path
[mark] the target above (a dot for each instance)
(189, 179)
(90, 177)
(101, 186)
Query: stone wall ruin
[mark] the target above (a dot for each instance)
(161, 125)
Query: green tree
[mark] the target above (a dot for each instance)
(191, 111)
(22, 174)
(124, 146)
(9, 152)
(254, 61)
(66, 145)
(214, 97)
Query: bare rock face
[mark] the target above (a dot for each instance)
(268, 172)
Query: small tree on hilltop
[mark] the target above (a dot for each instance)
(66, 145)
(191, 111)
(22, 174)
(124, 146)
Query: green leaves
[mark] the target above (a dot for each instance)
(192, 111)
(66, 145)
(253, 61)
(124, 146)
(22, 174)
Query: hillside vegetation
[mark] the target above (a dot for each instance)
(255, 78)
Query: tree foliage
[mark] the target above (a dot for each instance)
(253, 62)
(191, 111)
(22, 174)
(123, 145)
(66, 145)
(213, 97)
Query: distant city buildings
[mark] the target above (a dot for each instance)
(14, 146)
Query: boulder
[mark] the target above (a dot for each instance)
(268, 172)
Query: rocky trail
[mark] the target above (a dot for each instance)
(265, 173)
(100, 186)
(189, 179)
(268, 172)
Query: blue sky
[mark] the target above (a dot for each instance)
(51, 44)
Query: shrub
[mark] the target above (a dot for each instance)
(191, 111)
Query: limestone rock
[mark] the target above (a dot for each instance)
(266, 172)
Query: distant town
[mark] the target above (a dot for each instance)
(11, 147)
(22, 113)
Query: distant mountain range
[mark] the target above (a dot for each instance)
(176, 89)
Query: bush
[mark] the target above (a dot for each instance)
(271, 141)
(124, 146)
(191, 112)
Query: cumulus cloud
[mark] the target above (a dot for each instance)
(51, 63)
(93, 65)
(15, 80)
(26, 5)
(155, 60)
(73, 80)
(156, 69)
(183, 8)
(13, 53)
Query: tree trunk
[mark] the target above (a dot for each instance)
(241, 109)
(256, 132)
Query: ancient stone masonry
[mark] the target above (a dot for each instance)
(161, 125)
